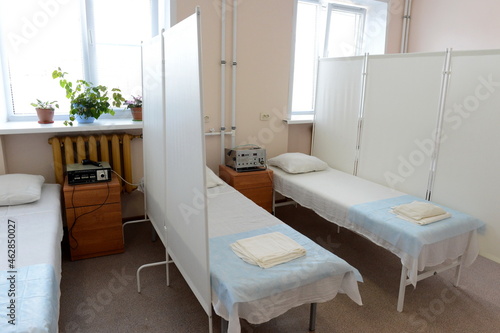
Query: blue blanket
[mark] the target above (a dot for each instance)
(234, 280)
(409, 237)
(29, 299)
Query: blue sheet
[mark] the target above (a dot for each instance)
(234, 280)
(409, 237)
(36, 300)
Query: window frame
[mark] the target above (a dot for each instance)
(301, 116)
(89, 61)
(348, 9)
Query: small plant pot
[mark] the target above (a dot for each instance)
(84, 120)
(136, 114)
(45, 116)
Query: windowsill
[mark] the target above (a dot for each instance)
(295, 120)
(33, 127)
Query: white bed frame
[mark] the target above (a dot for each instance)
(340, 191)
(438, 106)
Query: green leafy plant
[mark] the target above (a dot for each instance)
(45, 105)
(86, 99)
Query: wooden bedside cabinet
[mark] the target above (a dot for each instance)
(255, 185)
(94, 218)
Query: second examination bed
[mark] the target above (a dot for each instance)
(364, 207)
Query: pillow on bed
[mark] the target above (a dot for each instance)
(297, 163)
(18, 189)
(212, 179)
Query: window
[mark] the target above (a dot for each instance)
(331, 29)
(98, 41)
(344, 32)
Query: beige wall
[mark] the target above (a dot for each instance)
(394, 26)
(456, 24)
(300, 138)
(264, 30)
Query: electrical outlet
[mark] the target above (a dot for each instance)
(206, 118)
(265, 116)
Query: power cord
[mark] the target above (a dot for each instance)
(125, 180)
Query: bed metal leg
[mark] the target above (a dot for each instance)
(458, 272)
(167, 272)
(312, 317)
(402, 287)
(210, 324)
(223, 325)
(153, 234)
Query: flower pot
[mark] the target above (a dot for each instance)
(84, 120)
(136, 114)
(45, 116)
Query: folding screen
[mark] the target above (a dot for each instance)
(186, 211)
(409, 98)
(468, 167)
(335, 133)
(400, 119)
(154, 134)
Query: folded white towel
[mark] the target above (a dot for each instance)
(418, 210)
(267, 250)
(425, 220)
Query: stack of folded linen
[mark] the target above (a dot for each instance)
(268, 250)
(420, 212)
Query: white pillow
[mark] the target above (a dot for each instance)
(18, 189)
(212, 179)
(297, 163)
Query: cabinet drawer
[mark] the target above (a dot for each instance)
(97, 230)
(91, 194)
(262, 196)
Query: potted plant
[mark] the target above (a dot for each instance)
(45, 111)
(135, 106)
(87, 101)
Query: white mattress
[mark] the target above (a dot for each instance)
(230, 212)
(38, 236)
(331, 193)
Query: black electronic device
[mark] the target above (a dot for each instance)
(88, 172)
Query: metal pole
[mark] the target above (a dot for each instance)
(439, 126)
(361, 113)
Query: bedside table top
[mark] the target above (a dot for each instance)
(250, 179)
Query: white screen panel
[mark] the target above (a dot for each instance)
(400, 119)
(154, 133)
(468, 170)
(337, 107)
(186, 211)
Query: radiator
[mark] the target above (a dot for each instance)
(111, 148)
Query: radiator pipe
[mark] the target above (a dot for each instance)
(406, 26)
(223, 82)
(233, 93)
